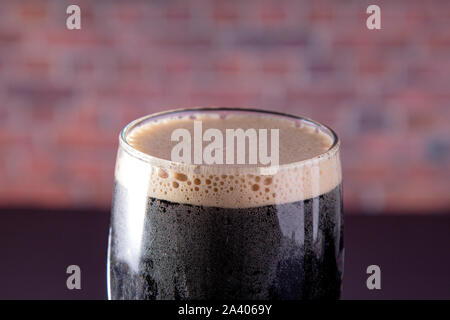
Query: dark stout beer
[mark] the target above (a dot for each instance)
(227, 232)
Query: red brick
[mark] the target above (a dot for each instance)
(40, 66)
(320, 96)
(228, 66)
(77, 38)
(322, 67)
(178, 13)
(183, 41)
(439, 41)
(132, 90)
(371, 66)
(227, 97)
(321, 12)
(128, 12)
(417, 15)
(178, 65)
(9, 137)
(130, 67)
(409, 98)
(421, 120)
(9, 37)
(224, 12)
(420, 197)
(83, 66)
(42, 113)
(280, 67)
(40, 93)
(273, 15)
(34, 10)
(77, 138)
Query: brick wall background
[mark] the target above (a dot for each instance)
(65, 95)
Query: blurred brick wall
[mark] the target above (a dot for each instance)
(65, 95)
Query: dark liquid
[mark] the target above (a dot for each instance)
(286, 251)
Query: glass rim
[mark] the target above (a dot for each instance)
(165, 163)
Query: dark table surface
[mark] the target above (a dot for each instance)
(37, 246)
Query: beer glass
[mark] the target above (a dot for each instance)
(201, 230)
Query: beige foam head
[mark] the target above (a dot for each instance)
(309, 162)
